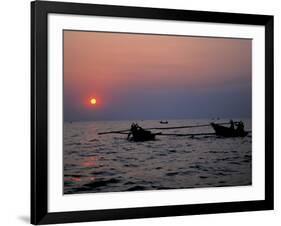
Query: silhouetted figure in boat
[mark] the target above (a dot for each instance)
(240, 127)
(137, 133)
(231, 124)
(134, 129)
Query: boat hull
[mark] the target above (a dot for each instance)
(227, 132)
(142, 137)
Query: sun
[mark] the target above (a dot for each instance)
(93, 101)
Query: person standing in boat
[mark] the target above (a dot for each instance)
(240, 127)
(232, 124)
(133, 129)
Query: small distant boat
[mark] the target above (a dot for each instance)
(163, 122)
(137, 134)
(229, 132)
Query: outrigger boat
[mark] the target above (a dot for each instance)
(137, 133)
(230, 131)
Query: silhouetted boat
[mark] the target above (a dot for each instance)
(137, 133)
(164, 122)
(228, 132)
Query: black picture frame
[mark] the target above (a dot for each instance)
(39, 112)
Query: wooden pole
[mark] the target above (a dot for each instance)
(186, 134)
(114, 131)
(183, 127)
(175, 134)
(164, 128)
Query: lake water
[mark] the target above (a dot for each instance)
(110, 163)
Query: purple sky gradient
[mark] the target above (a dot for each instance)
(136, 76)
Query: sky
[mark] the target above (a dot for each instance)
(141, 76)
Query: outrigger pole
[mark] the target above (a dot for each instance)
(163, 128)
(185, 134)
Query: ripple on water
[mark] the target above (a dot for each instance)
(172, 173)
(158, 168)
(101, 182)
(136, 188)
(74, 143)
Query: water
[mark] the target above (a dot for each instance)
(110, 163)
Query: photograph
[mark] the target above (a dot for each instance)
(148, 112)
(155, 112)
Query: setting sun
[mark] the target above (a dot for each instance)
(93, 101)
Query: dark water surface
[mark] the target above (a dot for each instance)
(110, 163)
